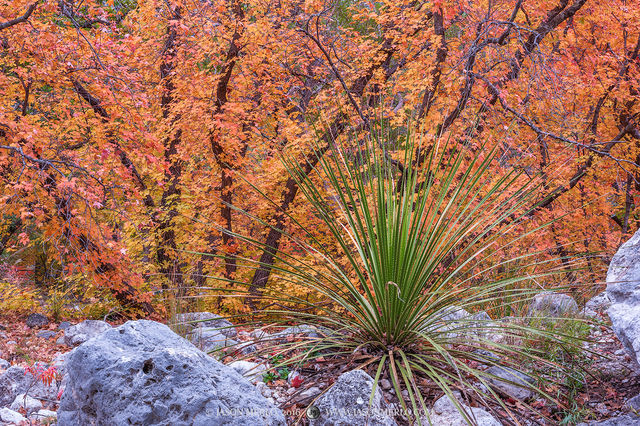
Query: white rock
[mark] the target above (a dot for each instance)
(44, 414)
(26, 402)
(511, 382)
(10, 416)
(445, 413)
(312, 392)
(623, 288)
(549, 304)
(251, 370)
(80, 333)
(259, 335)
(207, 320)
(346, 403)
(597, 305)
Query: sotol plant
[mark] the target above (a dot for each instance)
(419, 232)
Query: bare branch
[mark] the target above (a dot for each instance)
(21, 19)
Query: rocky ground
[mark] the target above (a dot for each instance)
(611, 380)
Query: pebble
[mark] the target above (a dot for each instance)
(44, 414)
(46, 334)
(64, 325)
(385, 384)
(601, 408)
(311, 392)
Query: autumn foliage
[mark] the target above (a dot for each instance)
(133, 133)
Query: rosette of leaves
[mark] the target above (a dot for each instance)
(421, 233)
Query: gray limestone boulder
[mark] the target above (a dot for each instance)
(143, 373)
(80, 333)
(549, 304)
(623, 288)
(347, 403)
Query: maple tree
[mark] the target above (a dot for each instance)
(131, 133)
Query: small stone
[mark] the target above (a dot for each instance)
(4, 364)
(37, 320)
(304, 329)
(46, 334)
(518, 389)
(619, 352)
(385, 384)
(10, 416)
(194, 320)
(210, 339)
(312, 392)
(259, 335)
(64, 325)
(45, 414)
(60, 341)
(601, 408)
(26, 402)
(11, 342)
